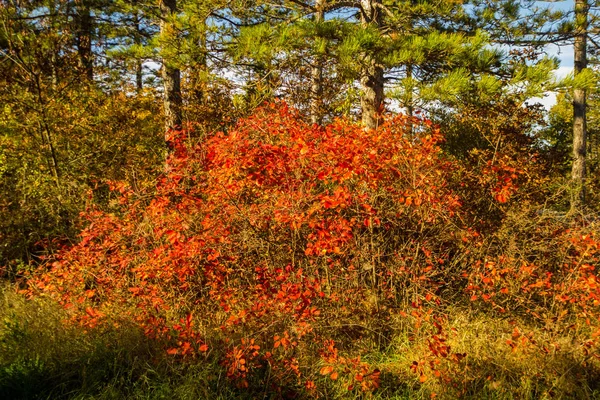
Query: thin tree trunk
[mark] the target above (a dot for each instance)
(198, 75)
(372, 74)
(316, 88)
(172, 97)
(171, 75)
(139, 72)
(84, 38)
(54, 69)
(139, 76)
(410, 110)
(46, 133)
(578, 172)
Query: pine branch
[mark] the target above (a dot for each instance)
(342, 4)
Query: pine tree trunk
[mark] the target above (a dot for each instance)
(410, 110)
(316, 89)
(198, 83)
(84, 38)
(172, 97)
(372, 74)
(139, 76)
(139, 68)
(372, 96)
(578, 172)
(171, 75)
(54, 69)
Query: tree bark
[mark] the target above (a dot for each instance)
(139, 67)
(372, 75)
(139, 76)
(410, 110)
(316, 88)
(578, 172)
(171, 74)
(84, 38)
(54, 69)
(198, 74)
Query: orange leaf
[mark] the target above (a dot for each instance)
(326, 370)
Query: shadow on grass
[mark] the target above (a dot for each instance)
(561, 376)
(42, 358)
(393, 387)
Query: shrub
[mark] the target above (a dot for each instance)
(289, 256)
(290, 237)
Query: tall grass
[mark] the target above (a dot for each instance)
(41, 357)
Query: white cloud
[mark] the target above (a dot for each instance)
(547, 101)
(549, 98)
(562, 72)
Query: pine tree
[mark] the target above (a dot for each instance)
(371, 75)
(171, 74)
(84, 33)
(539, 27)
(316, 100)
(578, 172)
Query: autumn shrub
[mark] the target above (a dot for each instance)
(534, 281)
(295, 259)
(280, 248)
(495, 146)
(544, 267)
(54, 153)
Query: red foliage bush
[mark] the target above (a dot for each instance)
(272, 246)
(267, 232)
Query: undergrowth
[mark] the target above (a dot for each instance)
(282, 260)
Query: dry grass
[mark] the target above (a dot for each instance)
(541, 366)
(40, 357)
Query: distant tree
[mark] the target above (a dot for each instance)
(63, 135)
(534, 26)
(171, 74)
(84, 33)
(578, 173)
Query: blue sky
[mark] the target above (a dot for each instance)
(563, 53)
